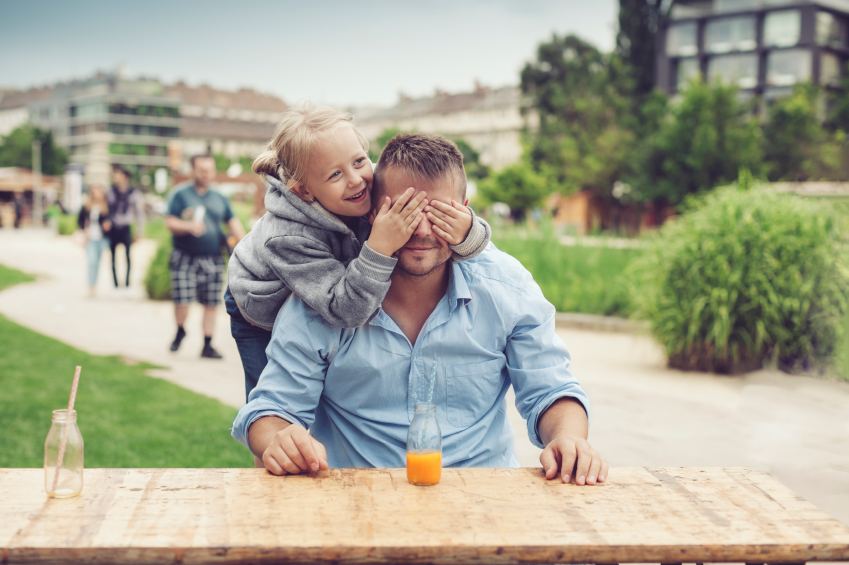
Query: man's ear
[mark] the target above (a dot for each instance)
(466, 203)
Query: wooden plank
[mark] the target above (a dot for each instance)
(657, 515)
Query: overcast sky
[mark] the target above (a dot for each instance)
(332, 52)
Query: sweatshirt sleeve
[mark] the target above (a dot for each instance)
(477, 240)
(345, 296)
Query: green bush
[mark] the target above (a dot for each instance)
(745, 276)
(66, 223)
(157, 282)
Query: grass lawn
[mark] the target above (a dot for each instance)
(127, 418)
(577, 278)
(9, 277)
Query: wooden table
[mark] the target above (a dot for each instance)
(666, 515)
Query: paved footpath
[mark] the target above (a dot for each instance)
(796, 428)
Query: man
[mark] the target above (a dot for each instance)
(485, 324)
(194, 216)
(124, 206)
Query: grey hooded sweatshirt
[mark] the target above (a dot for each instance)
(303, 248)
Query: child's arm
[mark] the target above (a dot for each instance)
(467, 234)
(345, 295)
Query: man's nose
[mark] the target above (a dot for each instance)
(424, 229)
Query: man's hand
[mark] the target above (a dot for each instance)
(393, 226)
(575, 459)
(452, 223)
(293, 451)
(197, 229)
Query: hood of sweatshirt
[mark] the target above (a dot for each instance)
(282, 202)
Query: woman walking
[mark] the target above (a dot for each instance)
(95, 224)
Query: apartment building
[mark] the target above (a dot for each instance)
(764, 46)
(488, 119)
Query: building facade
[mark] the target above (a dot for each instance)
(488, 119)
(142, 124)
(763, 46)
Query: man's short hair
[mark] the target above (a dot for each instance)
(425, 155)
(122, 170)
(200, 156)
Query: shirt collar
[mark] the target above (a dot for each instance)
(458, 287)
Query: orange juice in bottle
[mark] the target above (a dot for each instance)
(424, 447)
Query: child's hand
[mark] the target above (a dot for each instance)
(393, 226)
(451, 223)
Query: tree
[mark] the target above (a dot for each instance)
(16, 150)
(583, 101)
(518, 186)
(635, 39)
(382, 139)
(796, 146)
(708, 137)
(472, 161)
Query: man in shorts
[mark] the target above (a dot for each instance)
(195, 214)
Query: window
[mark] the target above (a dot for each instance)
(737, 34)
(831, 30)
(830, 69)
(741, 70)
(736, 5)
(681, 40)
(781, 29)
(687, 69)
(784, 68)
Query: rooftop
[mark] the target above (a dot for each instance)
(482, 98)
(205, 95)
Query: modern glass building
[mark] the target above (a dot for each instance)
(110, 120)
(764, 46)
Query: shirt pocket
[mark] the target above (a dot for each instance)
(472, 390)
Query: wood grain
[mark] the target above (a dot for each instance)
(656, 515)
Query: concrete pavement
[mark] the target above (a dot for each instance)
(796, 428)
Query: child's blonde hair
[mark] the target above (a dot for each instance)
(288, 152)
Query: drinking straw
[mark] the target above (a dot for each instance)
(64, 441)
(429, 398)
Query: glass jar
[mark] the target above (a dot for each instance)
(424, 447)
(70, 482)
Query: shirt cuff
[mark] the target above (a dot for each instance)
(376, 265)
(533, 431)
(476, 236)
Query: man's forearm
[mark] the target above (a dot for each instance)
(263, 431)
(236, 228)
(565, 417)
(177, 226)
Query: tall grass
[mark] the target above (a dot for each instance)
(574, 278)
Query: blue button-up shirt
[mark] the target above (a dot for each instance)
(356, 389)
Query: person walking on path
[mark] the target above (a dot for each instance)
(95, 224)
(125, 206)
(194, 217)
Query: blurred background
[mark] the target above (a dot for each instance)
(675, 174)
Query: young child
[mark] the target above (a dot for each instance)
(315, 239)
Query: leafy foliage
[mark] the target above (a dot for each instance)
(744, 276)
(472, 161)
(518, 186)
(704, 142)
(797, 146)
(635, 40)
(222, 163)
(16, 150)
(582, 99)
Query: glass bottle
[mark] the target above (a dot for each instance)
(424, 447)
(70, 481)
